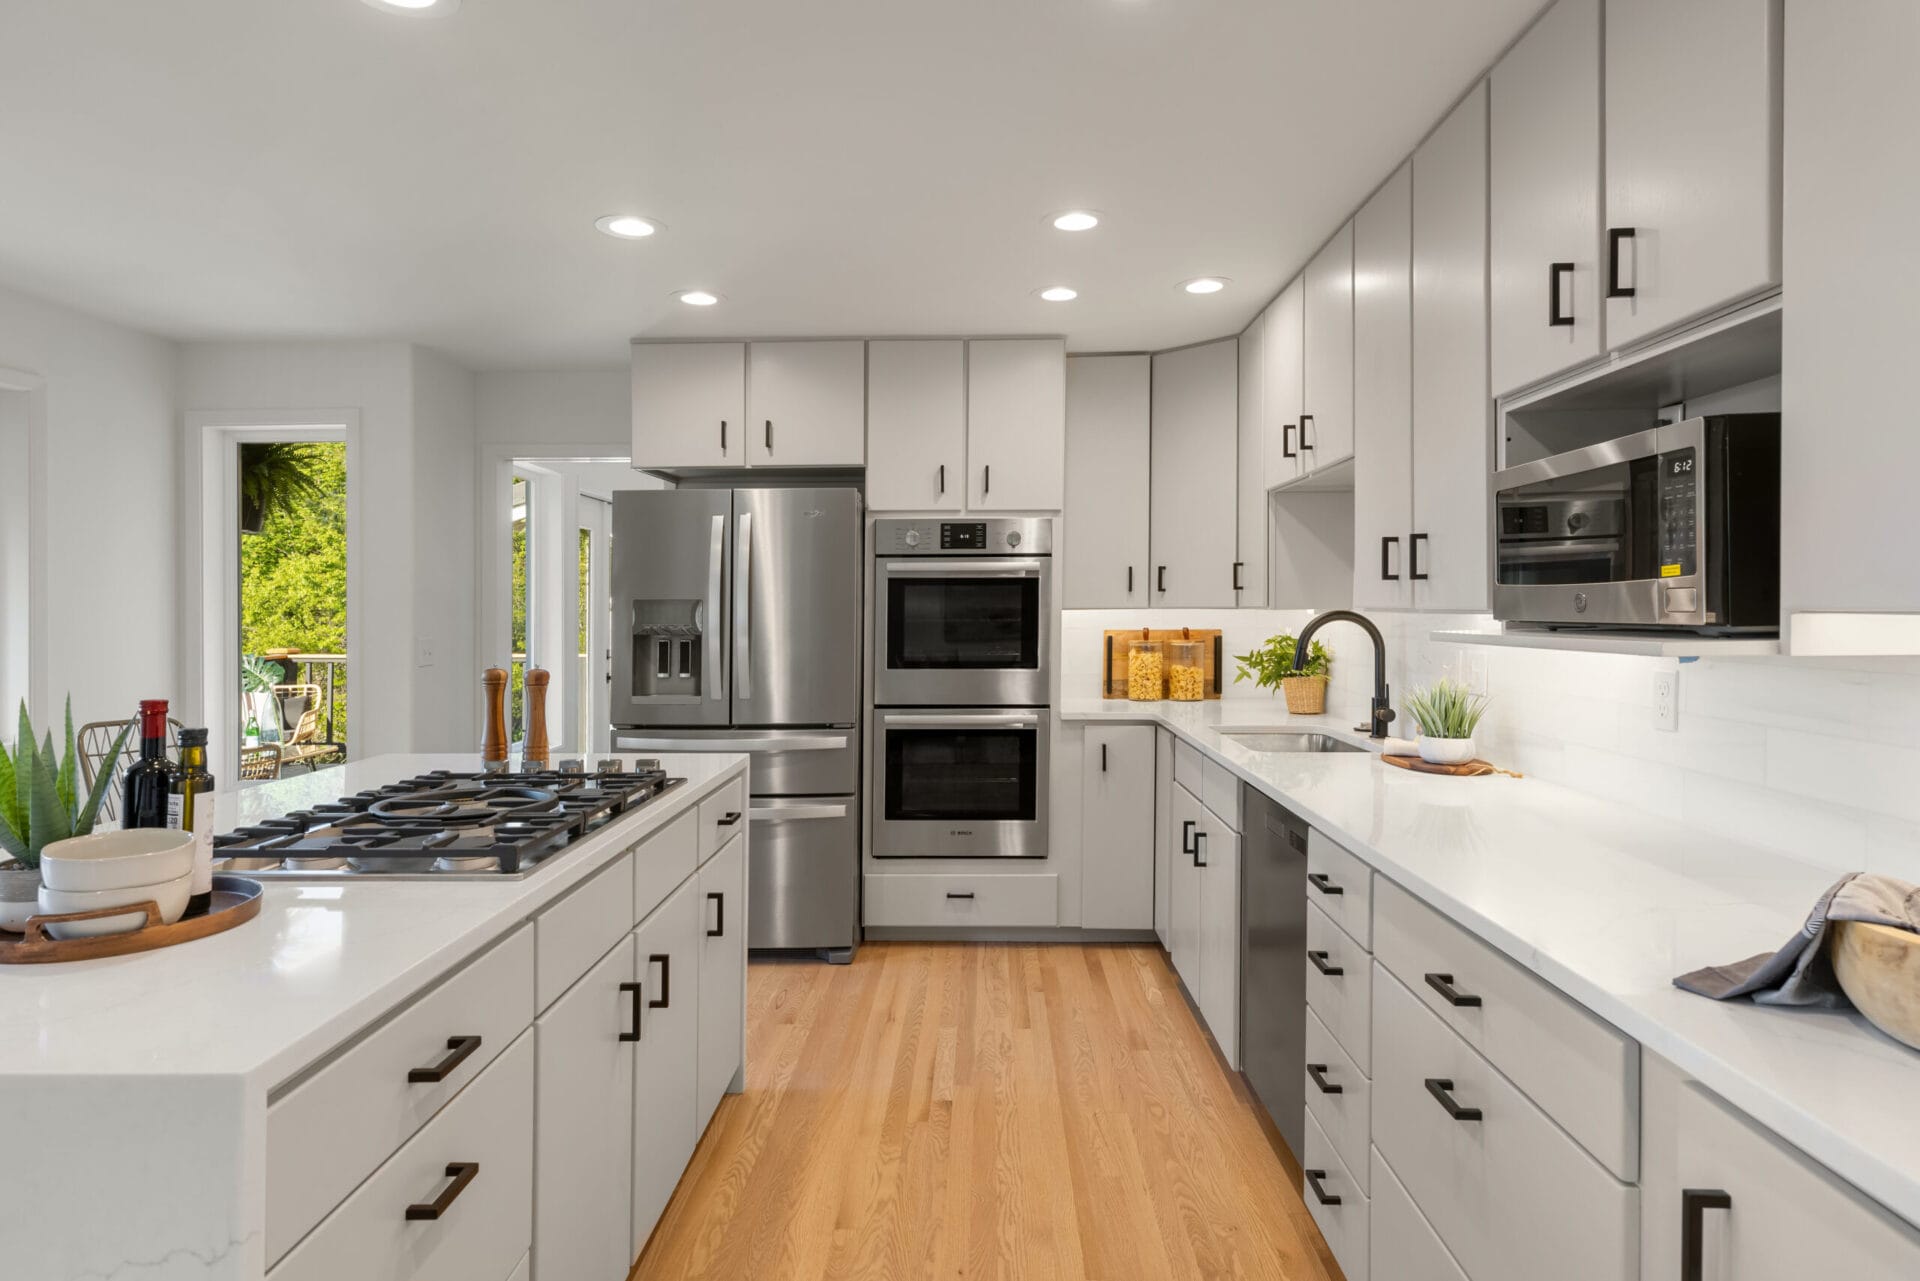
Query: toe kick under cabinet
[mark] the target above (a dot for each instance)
(528, 1114)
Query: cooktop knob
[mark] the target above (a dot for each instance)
(912, 538)
(1013, 538)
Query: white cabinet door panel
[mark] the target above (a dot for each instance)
(722, 885)
(807, 404)
(1218, 848)
(1337, 1202)
(1184, 905)
(1109, 434)
(1281, 382)
(1404, 1245)
(1340, 986)
(689, 404)
(1383, 395)
(1195, 450)
(1340, 1097)
(1250, 574)
(1326, 423)
(1116, 828)
(1016, 424)
(916, 425)
(666, 1058)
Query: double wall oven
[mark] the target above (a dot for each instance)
(962, 684)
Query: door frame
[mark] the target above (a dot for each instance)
(35, 387)
(597, 734)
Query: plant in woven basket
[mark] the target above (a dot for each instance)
(1272, 662)
(1447, 709)
(40, 800)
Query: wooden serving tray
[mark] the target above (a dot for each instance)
(1113, 659)
(236, 900)
(1467, 769)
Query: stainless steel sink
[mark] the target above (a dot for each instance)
(1291, 741)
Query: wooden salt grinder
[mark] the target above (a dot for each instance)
(536, 751)
(493, 747)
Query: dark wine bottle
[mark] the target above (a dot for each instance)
(190, 808)
(150, 779)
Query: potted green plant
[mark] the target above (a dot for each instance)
(1448, 713)
(274, 476)
(1271, 667)
(40, 803)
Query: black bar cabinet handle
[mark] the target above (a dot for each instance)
(462, 1173)
(1304, 420)
(1694, 1204)
(1318, 1071)
(1322, 882)
(1441, 1088)
(1103, 758)
(1413, 554)
(769, 435)
(1236, 576)
(1319, 960)
(1186, 836)
(1160, 583)
(723, 435)
(665, 998)
(633, 990)
(1614, 236)
(1443, 984)
(1320, 1194)
(1555, 270)
(1387, 543)
(460, 1047)
(1129, 580)
(959, 893)
(986, 480)
(1198, 850)
(728, 819)
(719, 902)
(1286, 441)
(943, 480)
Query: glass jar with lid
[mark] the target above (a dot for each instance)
(1186, 670)
(1146, 670)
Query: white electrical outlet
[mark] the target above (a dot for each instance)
(423, 656)
(1473, 671)
(1666, 701)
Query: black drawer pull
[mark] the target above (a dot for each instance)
(1236, 576)
(1304, 420)
(1555, 270)
(1160, 580)
(959, 893)
(1319, 960)
(1320, 881)
(1443, 984)
(1387, 543)
(1320, 1194)
(728, 819)
(1286, 440)
(666, 981)
(1198, 849)
(1413, 556)
(633, 990)
(462, 1173)
(1318, 1071)
(1694, 1204)
(1614, 288)
(460, 1047)
(719, 902)
(1186, 836)
(1441, 1088)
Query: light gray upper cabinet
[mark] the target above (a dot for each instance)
(1447, 554)
(1194, 527)
(807, 404)
(1692, 158)
(1383, 395)
(1104, 546)
(1283, 348)
(689, 404)
(916, 425)
(1016, 424)
(1250, 575)
(1326, 417)
(1545, 177)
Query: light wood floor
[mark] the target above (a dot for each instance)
(966, 1110)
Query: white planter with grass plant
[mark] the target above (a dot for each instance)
(1447, 713)
(40, 803)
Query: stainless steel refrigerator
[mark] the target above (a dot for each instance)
(736, 628)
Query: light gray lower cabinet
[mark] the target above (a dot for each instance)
(722, 886)
(1403, 1246)
(1116, 827)
(666, 1058)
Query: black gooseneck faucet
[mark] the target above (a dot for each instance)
(1382, 707)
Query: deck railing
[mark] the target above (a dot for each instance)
(329, 672)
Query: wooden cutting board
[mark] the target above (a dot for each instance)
(1467, 769)
(1113, 657)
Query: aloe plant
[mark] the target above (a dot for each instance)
(40, 800)
(1447, 709)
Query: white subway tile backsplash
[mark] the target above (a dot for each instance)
(1817, 759)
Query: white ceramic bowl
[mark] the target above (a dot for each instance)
(1446, 751)
(117, 860)
(171, 896)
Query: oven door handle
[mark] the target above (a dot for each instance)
(964, 567)
(988, 721)
(768, 745)
(1557, 549)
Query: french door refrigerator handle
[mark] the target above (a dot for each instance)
(743, 607)
(716, 557)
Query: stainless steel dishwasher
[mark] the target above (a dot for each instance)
(1273, 961)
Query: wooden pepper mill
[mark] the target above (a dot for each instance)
(536, 752)
(493, 745)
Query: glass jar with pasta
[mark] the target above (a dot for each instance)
(1146, 671)
(1186, 671)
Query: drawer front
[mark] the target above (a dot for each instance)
(1582, 1070)
(577, 931)
(722, 817)
(1344, 1001)
(488, 1226)
(1404, 1245)
(327, 1133)
(1189, 767)
(1343, 1224)
(663, 861)
(1220, 789)
(1787, 1218)
(993, 899)
(1512, 1196)
(1341, 885)
(1340, 1097)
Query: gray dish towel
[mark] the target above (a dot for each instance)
(1800, 973)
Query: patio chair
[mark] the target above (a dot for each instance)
(301, 724)
(260, 762)
(94, 740)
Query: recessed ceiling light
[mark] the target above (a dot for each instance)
(1059, 293)
(1205, 284)
(1077, 220)
(627, 226)
(697, 297)
(416, 6)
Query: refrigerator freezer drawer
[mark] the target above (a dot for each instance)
(805, 879)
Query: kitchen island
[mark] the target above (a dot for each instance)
(213, 1110)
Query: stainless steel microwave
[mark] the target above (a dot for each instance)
(1677, 527)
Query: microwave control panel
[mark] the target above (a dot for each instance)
(1679, 537)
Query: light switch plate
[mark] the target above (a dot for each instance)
(1666, 701)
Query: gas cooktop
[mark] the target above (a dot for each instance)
(443, 825)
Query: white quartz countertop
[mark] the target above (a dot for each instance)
(262, 1001)
(1607, 904)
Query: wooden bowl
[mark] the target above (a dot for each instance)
(1879, 970)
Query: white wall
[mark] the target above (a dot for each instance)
(1813, 758)
(446, 693)
(14, 562)
(574, 407)
(108, 508)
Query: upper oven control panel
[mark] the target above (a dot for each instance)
(1006, 536)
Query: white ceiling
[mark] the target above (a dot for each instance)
(323, 169)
